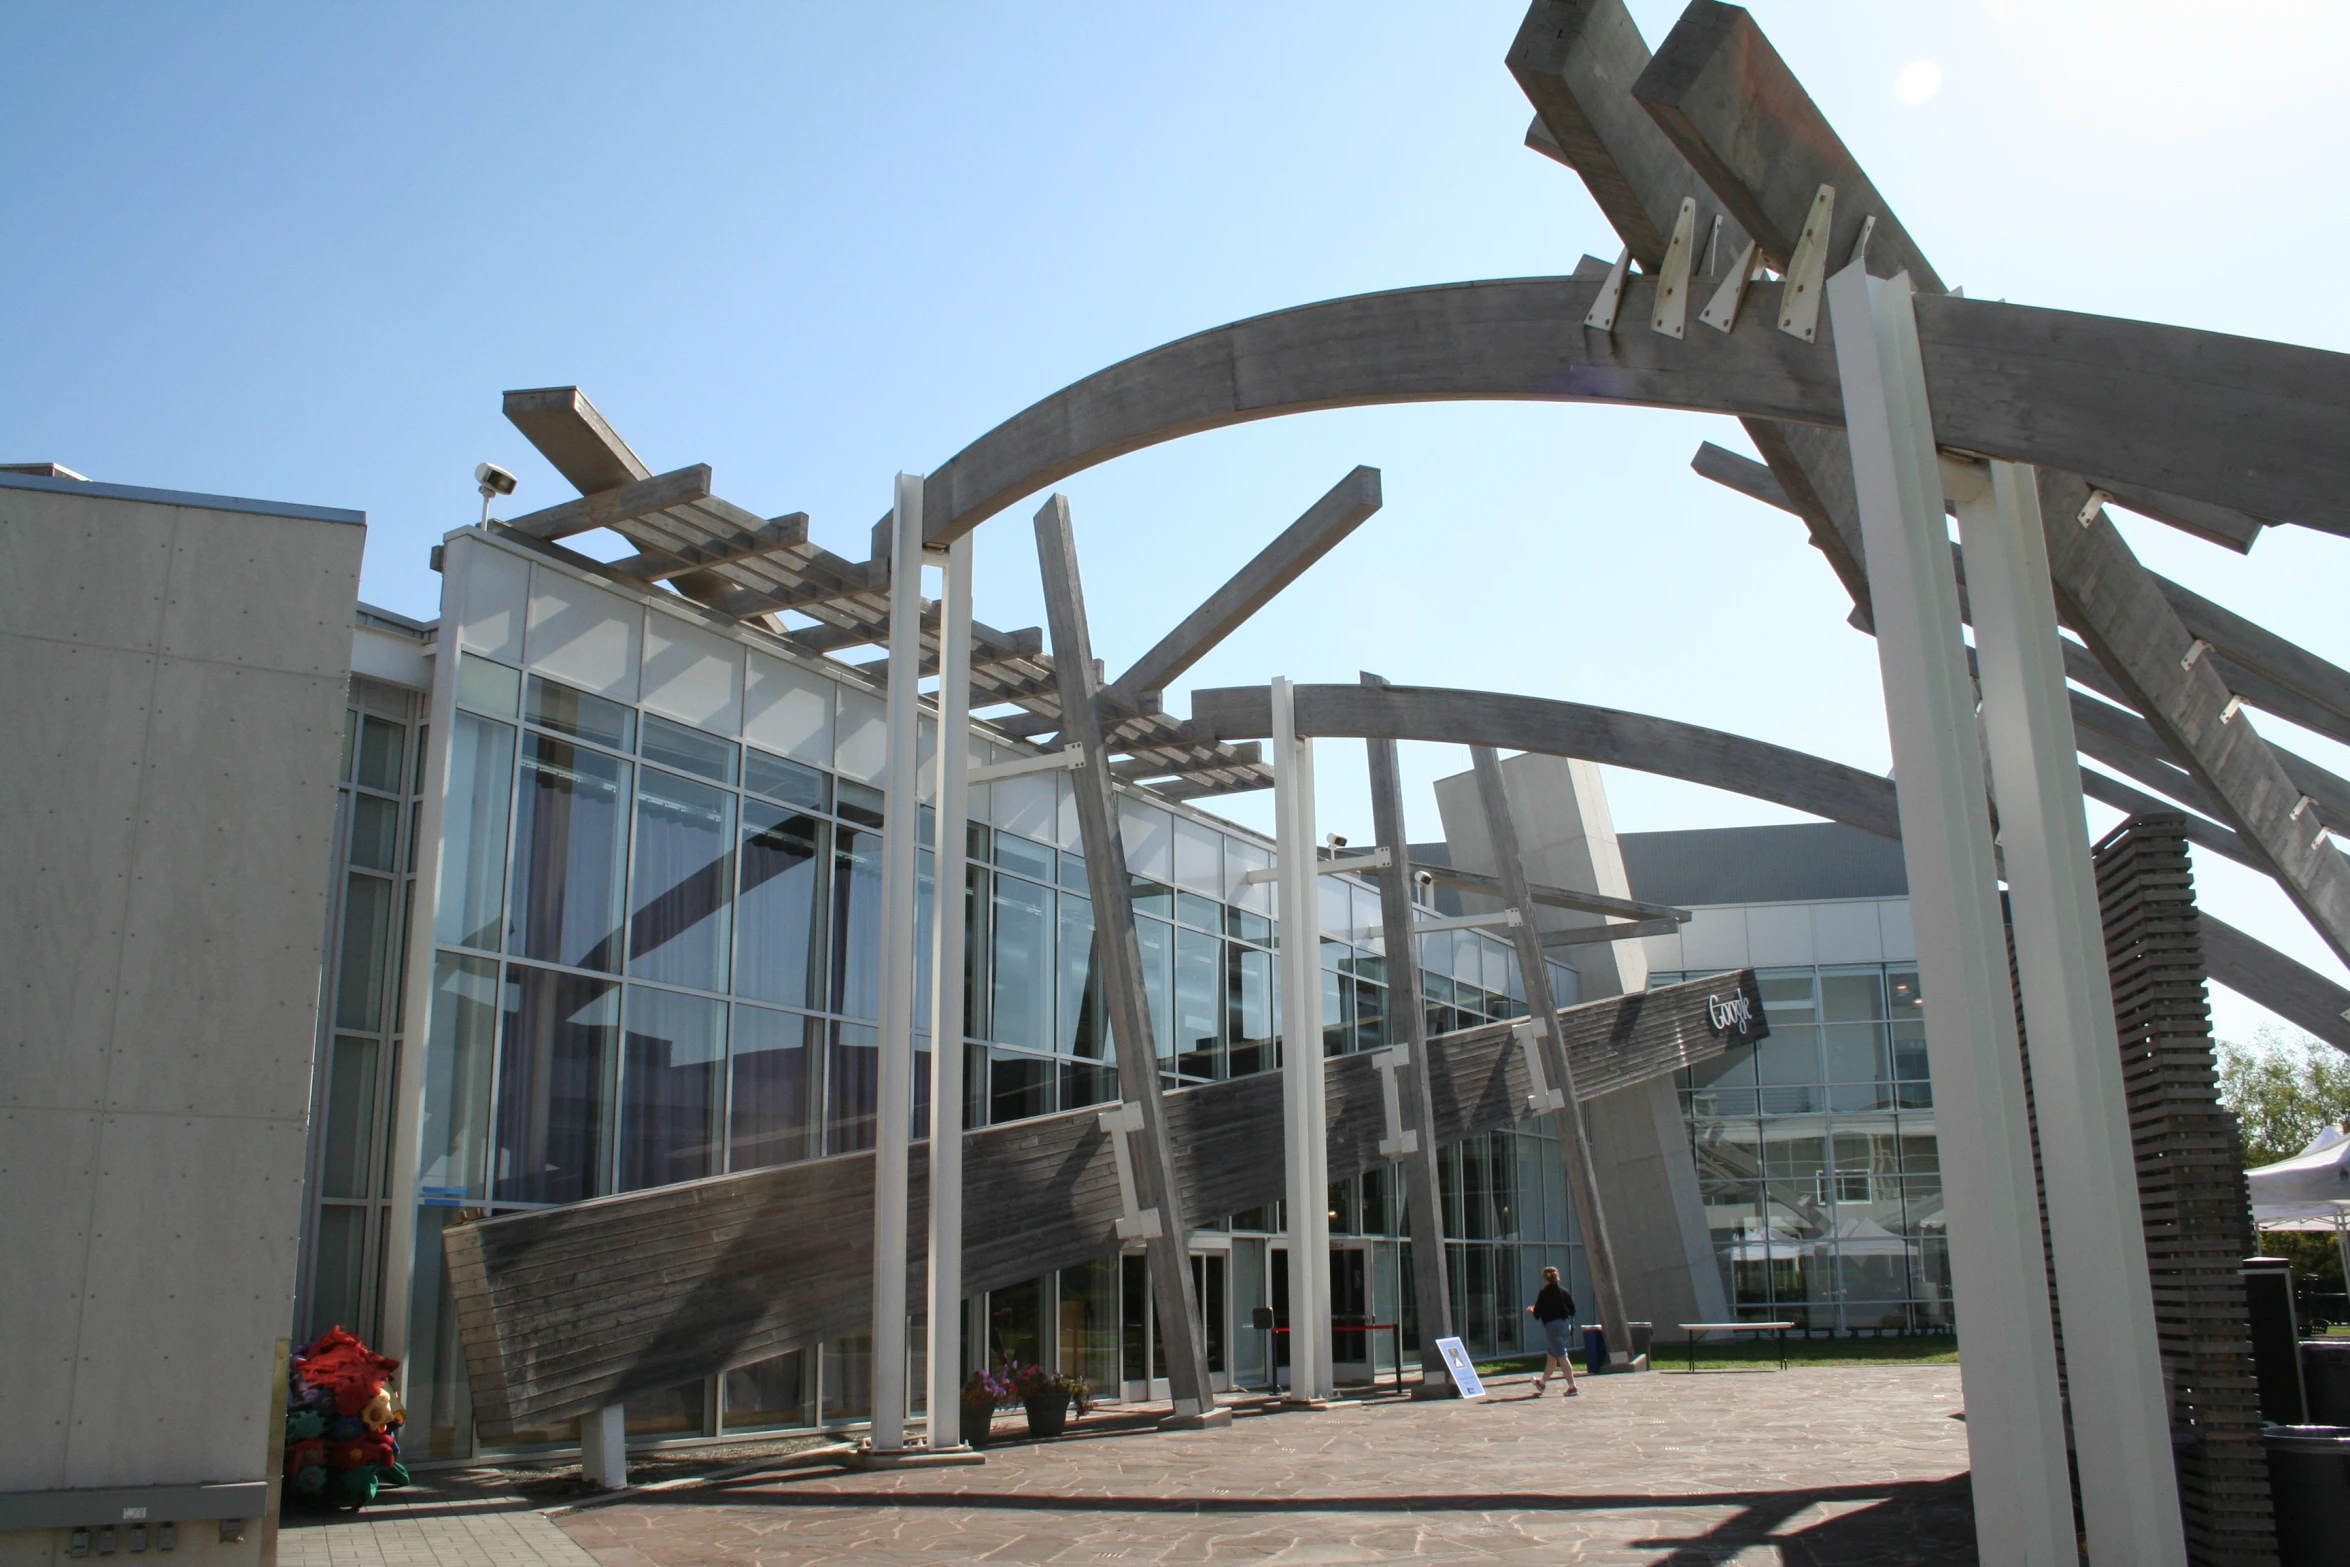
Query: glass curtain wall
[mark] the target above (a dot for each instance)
(361, 1022)
(1817, 1159)
(657, 959)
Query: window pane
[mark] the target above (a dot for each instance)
(457, 1077)
(1080, 1011)
(788, 782)
(570, 847)
(779, 940)
(1249, 1002)
(473, 834)
(1856, 1053)
(858, 802)
(554, 1072)
(1023, 858)
(576, 713)
(1157, 939)
(768, 1120)
(688, 750)
(669, 1087)
(1198, 912)
(856, 922)
(491, 687)
(359, 977)
(380, 744)
(335, 1299)
(1018, 1086)
(678, 915)
(1021, 993)
(849, 1084)
(768, 1393)
(1199, 1003)
(375, 832)
(1088, 1083)
(350, 1120)
(1335, 1023)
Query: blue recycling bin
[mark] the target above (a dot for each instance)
(1594, 1351)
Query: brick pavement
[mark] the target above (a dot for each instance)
(1842, 1465)
(431, 1527)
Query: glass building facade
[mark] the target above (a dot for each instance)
(653, 957)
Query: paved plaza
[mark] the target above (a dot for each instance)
(1845, 1465)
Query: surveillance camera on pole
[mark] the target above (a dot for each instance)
(494, 481)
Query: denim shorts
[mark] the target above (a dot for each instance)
(1561, 1334)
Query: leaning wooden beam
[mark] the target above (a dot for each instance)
(777, 533)
(1415, 1149)
(616, 508)
(1731, 105)
(1589, 935)
(1554, 897)
(572, 435)
(566, 1310)
(1338, 513)
(1155, 1215)
(1582, 1171)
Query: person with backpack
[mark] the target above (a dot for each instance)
(1554, 1308)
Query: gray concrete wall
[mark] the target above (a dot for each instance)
(1647, 1179)
(171, 693)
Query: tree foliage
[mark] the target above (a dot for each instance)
(2284, 1089)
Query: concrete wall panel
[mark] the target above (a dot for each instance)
(184, 1405)
(65, 882)
(491, 603)
(262, 592)
(1901, 942)
(787, 710)
(692, 675)
(1847, 933)
(1149, 836)
(220, 897)
(66, 576)
(46, 1243)
(1714, 939)
(1028, 806)
(583, 636)
(1778, 934)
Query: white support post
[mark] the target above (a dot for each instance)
(2120, 1407)
(947, 934)
(603, 1448)
(893, 1103)
(1304, 1127)
(2015, 1435)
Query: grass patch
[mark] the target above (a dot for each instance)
(1672, 1354)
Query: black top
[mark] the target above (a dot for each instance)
(1553, 1304)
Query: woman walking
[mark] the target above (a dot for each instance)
(1554, 1308)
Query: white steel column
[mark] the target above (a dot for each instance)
(1303, 1124)
(603, 1447)
(893, 1100)
(947, 933)
(2015, 1435)
(2121, 1413)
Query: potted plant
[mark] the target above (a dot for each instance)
(984, 1393)
(1047, 1396)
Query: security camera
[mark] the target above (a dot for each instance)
(1424, 878)
(1337, 840)
(493, 479)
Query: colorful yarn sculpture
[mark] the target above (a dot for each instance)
(342, 1424)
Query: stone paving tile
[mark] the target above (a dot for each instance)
(430, 1530)
(1825, 1467)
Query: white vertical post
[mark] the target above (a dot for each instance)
(603, 1447)
(947, 933)
(893, 1101)
(2121, 1413)
(2015, 1434)
(1303, 1122)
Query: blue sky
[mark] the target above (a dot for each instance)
(297, 252)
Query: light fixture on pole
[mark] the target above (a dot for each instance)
(494, 481)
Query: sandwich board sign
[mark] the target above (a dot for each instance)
(1463, 1369)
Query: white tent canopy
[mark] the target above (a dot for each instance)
(2311, 1190)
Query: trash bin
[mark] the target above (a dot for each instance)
(1594, 1351)
(2325, 1377)
(1643, 1334)
(2309, 1486)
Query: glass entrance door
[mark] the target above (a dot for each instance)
(1142, 1346)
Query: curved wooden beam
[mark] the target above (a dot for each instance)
(1754, 768)
(2234, 421)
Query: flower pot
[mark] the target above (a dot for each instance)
(978, 1424)
(1047, 1415)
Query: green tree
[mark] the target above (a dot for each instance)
(2284, 1089)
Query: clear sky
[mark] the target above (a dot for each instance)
(298, 251)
